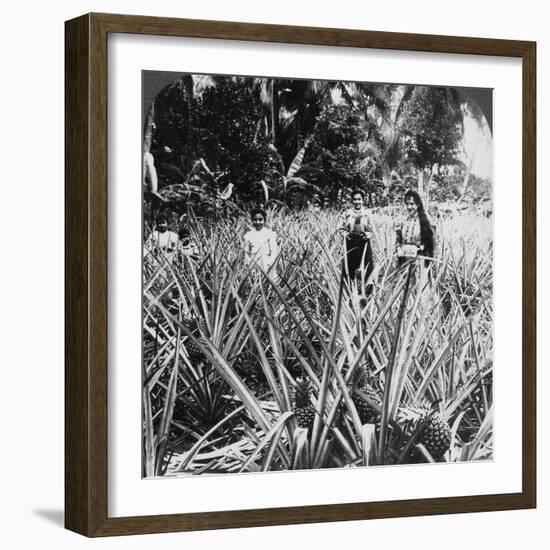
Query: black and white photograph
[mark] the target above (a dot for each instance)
(317, 274)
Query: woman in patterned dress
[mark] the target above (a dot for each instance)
(414, 233)
(359, 262)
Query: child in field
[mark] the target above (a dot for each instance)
(260, 242)
(163, 243)
(161, 249)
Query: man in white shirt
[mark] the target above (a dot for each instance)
(261, 242)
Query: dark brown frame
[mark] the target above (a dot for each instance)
(86, 274)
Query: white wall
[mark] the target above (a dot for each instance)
(31, 354)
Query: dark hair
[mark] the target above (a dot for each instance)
(426, 231)
(358, 192)
(256, 211)
(162, 217)
(183, 231)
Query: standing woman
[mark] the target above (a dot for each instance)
(414, 233)
(358, 225)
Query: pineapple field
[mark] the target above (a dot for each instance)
(300, 368)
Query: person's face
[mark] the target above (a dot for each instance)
(357, 201)
(258, 221)
(410, 205)
(162, 226)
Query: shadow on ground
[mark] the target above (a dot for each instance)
(57, 517)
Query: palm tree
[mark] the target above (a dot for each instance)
(287, 182)
(384, 144)
(472, 110)
(412, 127)
(290, 109)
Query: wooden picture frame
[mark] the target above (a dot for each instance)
(86, 282)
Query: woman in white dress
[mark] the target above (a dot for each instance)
(261, 242)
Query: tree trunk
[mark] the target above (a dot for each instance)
(258, 126)
(188, 159)
(433, 171)
(275, 113)
(298, 137)
(148, 170)
(386, 180)
(148, 128)
(469, 170)
(423, 182)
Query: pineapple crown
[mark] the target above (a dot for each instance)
(246, 359)
(193, 323)
(302, 392)
(419, 412)
(361, 377)
(190, 321)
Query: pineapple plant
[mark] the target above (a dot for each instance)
(246, 363)
(432, 429)
(487, 375)
(326, 308)
(487, 378)
(194, 352)
(248, 366)
(436, 435)
(367, 413)
(304, 410)
(310, 307)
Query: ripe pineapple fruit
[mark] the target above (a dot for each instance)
(435, 432)
(326, 307)
(436, 435)
(367, 414)
(487, 378)
(194, 353)
(304, 410)
(487, 375)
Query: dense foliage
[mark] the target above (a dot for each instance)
(332, 160)
(298, 141)
(432, 127)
